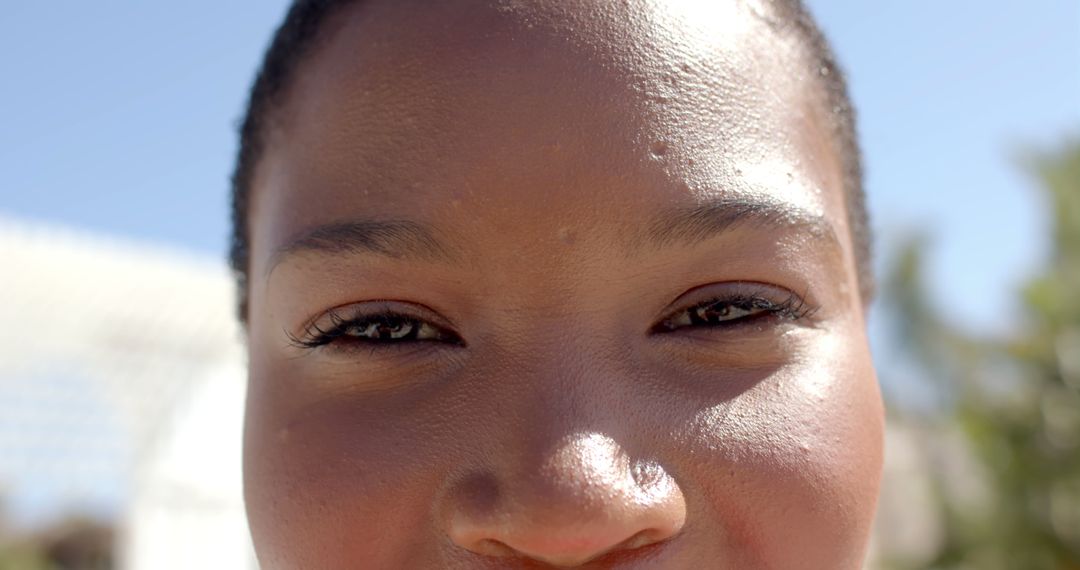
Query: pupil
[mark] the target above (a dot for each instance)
(395, 328)
(714, 313)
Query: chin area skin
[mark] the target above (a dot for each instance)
(556, 284)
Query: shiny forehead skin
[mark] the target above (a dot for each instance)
(705, 95)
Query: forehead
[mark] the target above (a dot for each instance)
(489, 109)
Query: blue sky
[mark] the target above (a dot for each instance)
(119, 117)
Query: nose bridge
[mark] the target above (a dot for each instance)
(575, 363)
(577, 425)
(580, 476)
(576, 418)
(563, 486)
(564, 447)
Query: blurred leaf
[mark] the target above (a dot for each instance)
(1016, 400)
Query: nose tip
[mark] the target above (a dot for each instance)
(585, 500)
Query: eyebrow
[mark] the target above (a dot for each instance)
(406, 239)
(391, 238)
(693, 225)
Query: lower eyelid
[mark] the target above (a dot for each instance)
(710, 338)
(364, 350)
(759, 321)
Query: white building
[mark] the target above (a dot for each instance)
(121, 389)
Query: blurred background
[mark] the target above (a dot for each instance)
(121, 369)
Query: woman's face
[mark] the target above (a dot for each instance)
(556, 284)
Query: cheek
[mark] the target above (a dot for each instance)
(343, 479)
(789, 470)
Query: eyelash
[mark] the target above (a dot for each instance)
(316, 335)
(757, 306)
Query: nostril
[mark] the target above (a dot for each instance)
(639, 540)
(492, 547)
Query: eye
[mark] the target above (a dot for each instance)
(357, 327)
(388, 328)
(736, 308)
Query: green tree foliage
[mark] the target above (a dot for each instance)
(1016, 401)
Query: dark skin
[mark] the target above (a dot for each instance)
(556, 284)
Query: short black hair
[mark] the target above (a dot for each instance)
(299, 32)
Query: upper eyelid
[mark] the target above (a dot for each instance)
(719, 299)
(720, 291)
(406, 309)
(308, 340)
(347, 314)
(775, 295)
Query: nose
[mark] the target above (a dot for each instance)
(583, 500)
